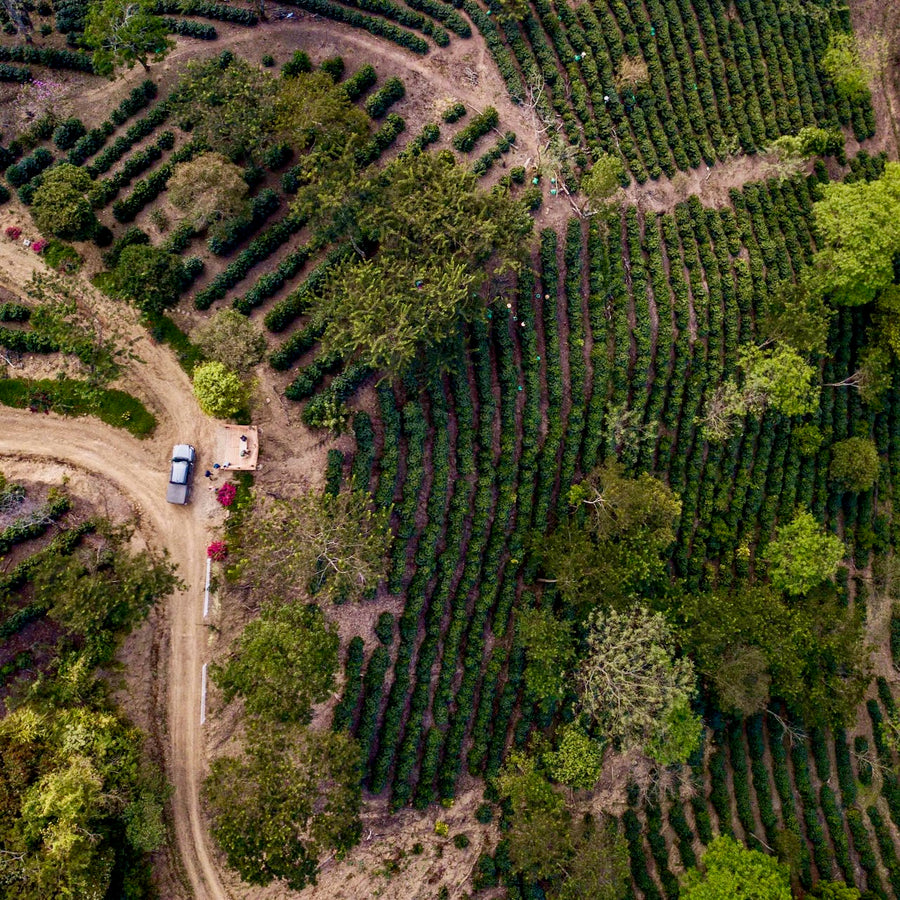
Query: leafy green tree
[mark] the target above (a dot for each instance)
(732, 872)
(230, 106)
(855, 463)
(549, 653)
(335, 546)
(834, 890)
(776, 377)
(293, 795)
(577, 760)
(151, 278)
(60, 206)
(858, 227)
(66, 776)
(539, 839)
(440, 241)
(599, 865)
(803, 554)
(219, 391)
(123, 32)
(102, 587)
(282, 663)
(207, 188)
(796, 314)
(814, 651)
(634, 687)
(231, 339)
(842, 64)
(741, 680)
(620, 553)
(602, 182)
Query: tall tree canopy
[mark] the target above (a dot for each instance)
(803, 554)
(123, 32)
(434, 240)
(293, 795)
(335, 546)
(858, 225)
(619, 554)
(636, 689)
(60, 204)
(732, 872)
(282, 663)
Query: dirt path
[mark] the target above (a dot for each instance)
(139, 470)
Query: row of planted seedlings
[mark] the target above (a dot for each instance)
(692, 106)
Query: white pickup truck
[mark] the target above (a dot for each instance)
(181, 474)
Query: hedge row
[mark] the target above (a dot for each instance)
(465, 140)
(148, 189)
(230, 233)
(300, 342)
(378, 27)
(404, 15)
(258, 250)
(121, 145)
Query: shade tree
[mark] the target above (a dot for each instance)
(282, 663)
(802, 555)
(634, 686)
(124, 32)
(729, 871)
(855, 463)
(231, 339)
(220, 392)
(207, 188)
(334, 546)
(60, 206)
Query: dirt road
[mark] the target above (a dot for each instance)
(139, 469)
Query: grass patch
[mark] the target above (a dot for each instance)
(164, 331)
(62, 257)
(70, 397)
(105, 282)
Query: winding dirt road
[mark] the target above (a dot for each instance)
(139, 469)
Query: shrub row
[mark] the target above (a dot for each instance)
(485, 162)
(465, 140)
(106, 191)
(444, 14)
(393, 127)
(404, 15)
(24, 170)
(378, 27)
(14, 312)
(15, 74)
(230, 233)
(342, 387)
(47, 56)
(187, 28)
(234, 14)
(385, 97)
(27, 341)
(353, 687)
(33, 525)
(300, 342)
(454, 113)
(272, 282)
(94, 140)
(429, 134)
(259, 249)
(148, 189)
(359, 82)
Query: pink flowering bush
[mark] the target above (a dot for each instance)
(217, 551)
(13, 233)
(226, 494)
(38, 246)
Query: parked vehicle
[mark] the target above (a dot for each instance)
(181, 474)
